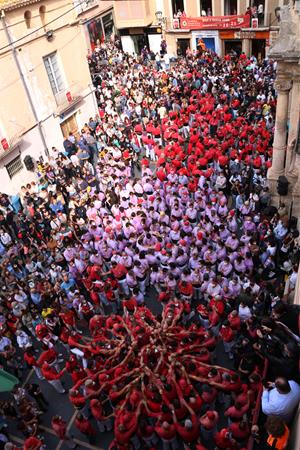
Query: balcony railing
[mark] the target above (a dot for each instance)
(68, 97)
(82, 6)
(9, 144)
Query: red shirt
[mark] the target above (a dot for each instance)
(85, 427)
(96, 409)
(60, 428)
(166, 434)
(189, 434)
(48, 356)
(119, 271)
(32, 443)
(226, 333)
(30, 359)
(51, 374)
(223, 442)
(234, 413)
(78, 401)
(237, 432)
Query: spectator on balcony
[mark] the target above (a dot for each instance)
(249, 12)
(282, 399)
(260, 13)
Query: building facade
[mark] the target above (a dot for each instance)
(151, 18)
(286, 147)
(46, 87)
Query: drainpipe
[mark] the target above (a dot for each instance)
(15, 55)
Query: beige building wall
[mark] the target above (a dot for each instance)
(17, 122)
(134, 13)
(218, 7)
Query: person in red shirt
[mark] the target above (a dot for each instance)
(104, 423)
(240, 431)
(236, 412)
(32, 443)
(119, 271)
(84, 426)
(224, 441)
(208, 424)
(53, 377)
(189, 432)
(167, 433)
(186, 290)
(59, 426)
(234, 320)
(126, 424)
(227, 335)
(31, 361)
(49, 356)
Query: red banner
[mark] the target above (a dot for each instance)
(215, 22)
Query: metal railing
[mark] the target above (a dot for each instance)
(81, 6)
(12, 142)
(69, 95)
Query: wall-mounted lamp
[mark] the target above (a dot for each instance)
(50, 35)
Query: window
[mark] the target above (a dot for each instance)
(206, 7)
(177, 6)
(108, 25)
(27, 17)
(230, 7)
(54, 73)
(42, 12)
(14, 166)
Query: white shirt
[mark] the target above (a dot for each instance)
(4, 342)
(23, 340)
(5, 239)
(281, 405)
(244, 313)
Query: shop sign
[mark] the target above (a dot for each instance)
(244, 35)
(215, 22)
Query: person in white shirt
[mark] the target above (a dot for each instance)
(5, 238)
(282, 400)
(23, 340)
(244, 312)
(167, 61)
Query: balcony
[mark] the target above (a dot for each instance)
(68, 98)
(81, 7)
(8, 145)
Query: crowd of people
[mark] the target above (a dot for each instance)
(161, 198)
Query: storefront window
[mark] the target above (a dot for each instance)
(95, 32)
(108, 25)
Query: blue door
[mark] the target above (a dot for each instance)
(209, 43)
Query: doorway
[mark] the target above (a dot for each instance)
(139, 42)
(233, 46)
(259, 48)
(69, 126)
(182, 46)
